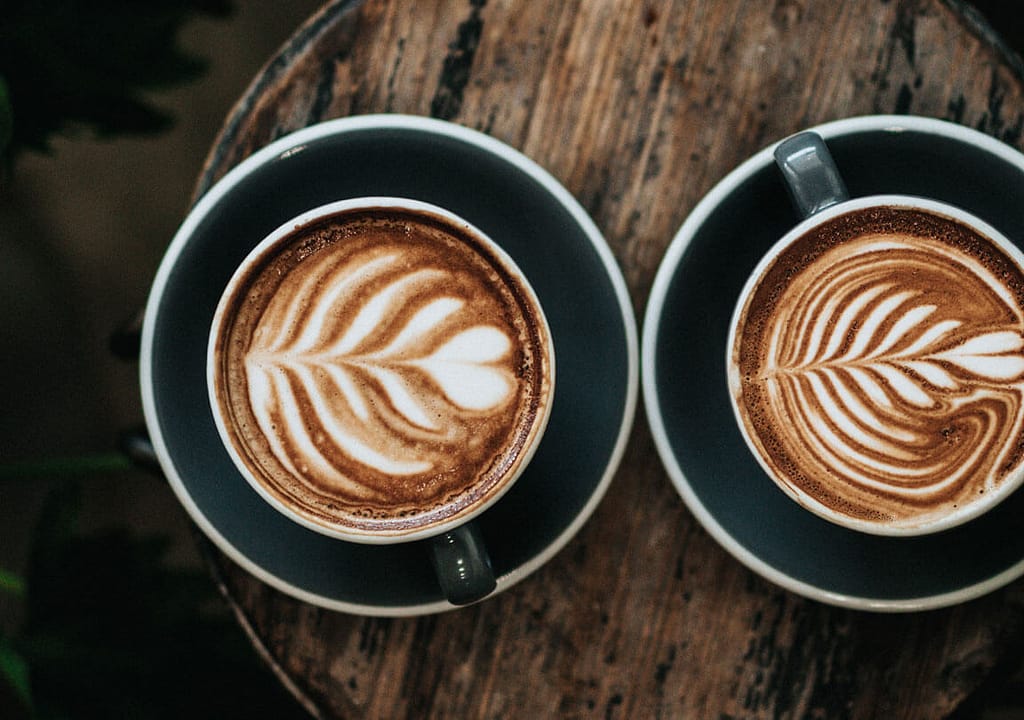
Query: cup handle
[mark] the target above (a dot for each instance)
(463, 565)
(810, 173)
(460, 556)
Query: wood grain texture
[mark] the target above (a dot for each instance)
(638, 108)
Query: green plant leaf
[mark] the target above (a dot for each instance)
(63, 467)
(79, 64)
(11, 583)
(113, 630)
(14, 671)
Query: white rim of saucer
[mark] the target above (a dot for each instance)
(297, 142)
(651, 322)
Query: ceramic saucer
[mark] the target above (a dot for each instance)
(523, 209)
(684, 383)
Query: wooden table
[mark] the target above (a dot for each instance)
(638, 107)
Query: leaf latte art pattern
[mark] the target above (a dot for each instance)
(392, 373)
(885, 379)
(420, 378)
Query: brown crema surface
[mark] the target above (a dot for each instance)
(878, 367)
(382, 371)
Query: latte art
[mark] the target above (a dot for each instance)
(383, 371)
(428, 372)
(881, 366)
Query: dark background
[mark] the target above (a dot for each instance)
(1007, 18)
(82, 231)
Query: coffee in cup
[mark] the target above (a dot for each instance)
(876, 364)
(380, 370)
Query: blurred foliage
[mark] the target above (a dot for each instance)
(68, 65)
(11, 583)
(111, 630)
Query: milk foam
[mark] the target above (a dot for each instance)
(310, 357)
(891, 368)
(381, 368)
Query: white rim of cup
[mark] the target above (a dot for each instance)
(294, 143)
(978, 506)
(655, 307)
(283, 231)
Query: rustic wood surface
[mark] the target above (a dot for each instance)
(638, 107)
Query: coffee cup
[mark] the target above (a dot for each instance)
(875, 357)
(380, 371)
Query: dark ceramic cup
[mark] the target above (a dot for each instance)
(526, 212)
(879, 399)
(686, 391)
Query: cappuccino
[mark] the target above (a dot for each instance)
(877, 367)
(380, 371)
